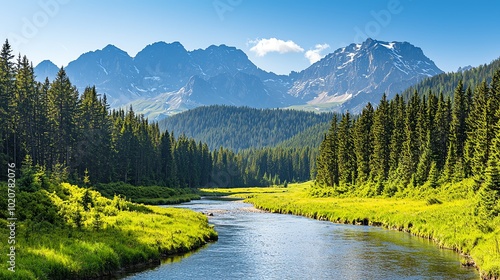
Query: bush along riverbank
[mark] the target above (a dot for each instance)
(445, 215)
(67, 232)
(151, 195)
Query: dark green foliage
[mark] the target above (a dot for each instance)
(63, 103)
(482, 125)
(489, 193)
(411, 145)
(398, 110)
(433, 177)
(363, 143)
(311, 137)
(447, 82)
(458, 126)
(6, 96)
(441, 125)
(327, 164)
(382, 132)
(239, 128)
(346, 153)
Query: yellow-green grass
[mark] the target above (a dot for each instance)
(125, 238)
(450, 224)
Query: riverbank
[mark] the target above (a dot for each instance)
(446, 220)
(75, 233)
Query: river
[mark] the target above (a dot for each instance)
(258, 245)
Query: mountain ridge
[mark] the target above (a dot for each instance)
(165, 78)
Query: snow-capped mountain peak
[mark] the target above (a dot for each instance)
(361, 73)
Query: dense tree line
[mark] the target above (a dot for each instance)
(240, 128)
(446, 82)
(425, 140)
(263, 167)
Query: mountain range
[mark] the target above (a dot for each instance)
(165, 78)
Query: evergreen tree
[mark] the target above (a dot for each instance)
(363, 143)
(424, 163)
(411, 145)
(496, 141)
(167, 159)
(327, 165)
(480, 131)
(432, 130)
(457, 138)
(441, 132)
(23, 110)
(346, 153)
(433, 178)
(398, 135)
(382, 132)
(489, 194)
(63, 112)
(42, 124)
(94, 137)
(6, 96)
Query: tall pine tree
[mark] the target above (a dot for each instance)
(346, 152)
(363, 143)
(327, 164)
(382, 132)
(63, 112)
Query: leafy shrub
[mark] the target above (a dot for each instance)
(433, 200)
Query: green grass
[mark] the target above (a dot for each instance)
(109, 235)
(447, 218)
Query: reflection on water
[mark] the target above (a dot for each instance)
(257, 245)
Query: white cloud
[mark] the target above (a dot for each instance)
(264, 46)
(315, 54)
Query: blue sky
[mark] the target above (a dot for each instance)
(277, 35)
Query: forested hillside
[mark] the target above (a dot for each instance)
(311, 137)
(239, 128)
(446, 82)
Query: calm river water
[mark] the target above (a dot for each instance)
(258, 245)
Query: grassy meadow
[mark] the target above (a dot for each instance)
(74, 233)
(445, 215)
